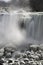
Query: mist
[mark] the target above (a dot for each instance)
(20, 27)
(10, 32)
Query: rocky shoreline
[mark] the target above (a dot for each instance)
(33, 55)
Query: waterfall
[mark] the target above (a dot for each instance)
(10, 30)
(10, 33)
(34, 28)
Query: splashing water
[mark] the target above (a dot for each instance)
(12, 34)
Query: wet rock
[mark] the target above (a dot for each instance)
(41, 47)
(17, 54)
(42, 55)
(31, 59)
(40, 51)
(42, 62)
(16, 62)
(1, 61)
(31, 62)
(26, 60)
(1, 64)
(29, 56)
(13, 64)
(1, 55)
(5, 63)
(9, 61)
(2, 50)
(32, 52)
(9, 49)
(24, 55)
(26, 63)
(28, 52)
(37, 62)
(34, 47)
(34, 63)
(35, 57)
(22, 51)
(4, 60)
(22, 63)
(8, 55)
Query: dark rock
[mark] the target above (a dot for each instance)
(26, 63)
(28, 52)
(34, 47)
(24, 56)
(1, 55)
(42, 55)
(22, 51)
(16, 62)
(26, 60)
(8, 55)
(17, 54)
(1, 61)
(1, 64)
(9, 61)
(42, 62)
(41, 47)
(22, 63)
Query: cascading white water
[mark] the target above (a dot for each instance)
(11, 33)
(35, 28)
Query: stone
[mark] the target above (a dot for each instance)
(42, 62)
(8, 55)
(35, 57)
(28, 52)
(17, 54)
(42, 55)
(24, 55)
(9, 61)
(2, 50)
(26, 60)
(22, 62)
(16, 62)
(34, 47)
(41, 47)
(9, 49)
(1, 61)
(1, 64)
(1, 55)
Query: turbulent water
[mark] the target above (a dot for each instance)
(12, 33)
(35, 27)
